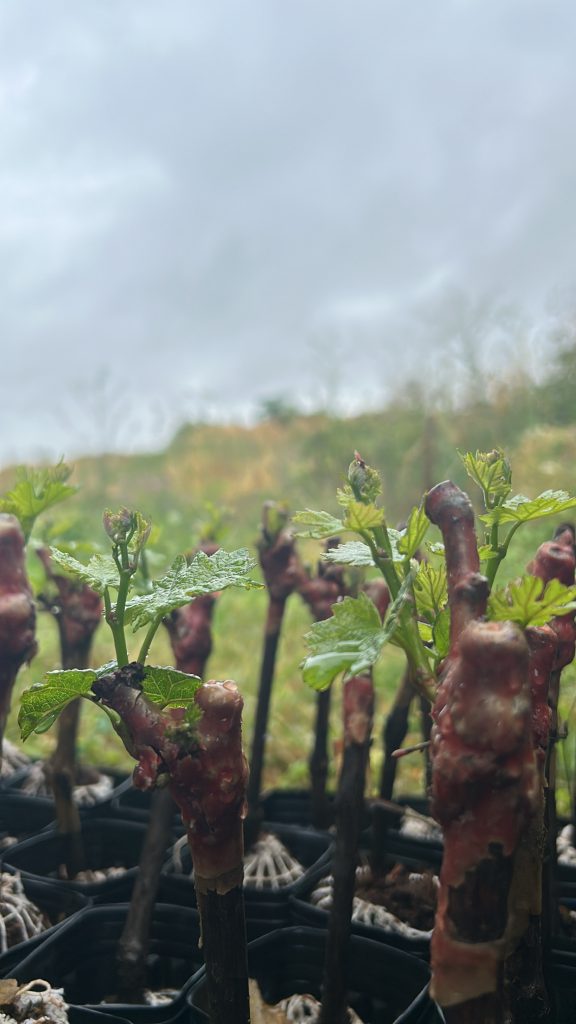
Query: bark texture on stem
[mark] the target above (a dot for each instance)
(134, 942)
(207, 774)
(17, 612)
(484, 792)
(283, 574)
(451, 510)
(358, 710)
(321, 592)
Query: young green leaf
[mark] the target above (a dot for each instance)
(100, 573)
(354, 552)
(168, 687)
(430, 590)
(529, 603)
(205, 574)
(35, 491)
(349, 641)
(491, 471)
(41, 704)
(441, 633)
(318, 525)
(520, 509)
(416, 529)
(362, 517)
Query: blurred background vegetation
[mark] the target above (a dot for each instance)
(222, 474)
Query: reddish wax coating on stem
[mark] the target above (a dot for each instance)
(555, 559)
(207, 770)
(450, 509)
(17, 611)
(322, 591)
(77, 610)
(190, 628)
(281, 567)
(543, 645)
(378, 592)
(484, 791)
(190, 632)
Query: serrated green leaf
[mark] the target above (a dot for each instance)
(430, 590)
(486, 553)
(435, 547)
(35, 491)
(168, 687)
(318, 525)
(520, 509)
(100, 573)
(529, 603)
(491, 471)
(349, 641)
(354, 552)
(425, 631)
(362, 517)
(205, 574)
(41, 704)
(441, 633)
(416, 529)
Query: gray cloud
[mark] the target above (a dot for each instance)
(221, 201)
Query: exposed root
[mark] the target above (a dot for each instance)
(37, 1001)
(305, 1009)
(12, 759)
(565, 846)
(366, 912)
(85, 795)
(20, 919)
(269, 865)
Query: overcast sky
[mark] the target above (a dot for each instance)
(204, 203)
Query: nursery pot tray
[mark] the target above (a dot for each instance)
(107, 843)
(80, 958)
(386, 986)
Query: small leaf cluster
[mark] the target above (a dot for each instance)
(35, 491)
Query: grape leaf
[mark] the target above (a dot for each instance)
(441, 633)
(354, 552)
(319, 525)
(100, 573)
(41, 704)
(351, 640)
(186, 580)
(168, 687)
(529, 603)
(35, 491)
(430, 590)
(491, 471)
(416, 529)
(520, 509)
(362, 517)
(486, 553)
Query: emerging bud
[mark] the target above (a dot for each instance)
(364, 481)
(118, 525)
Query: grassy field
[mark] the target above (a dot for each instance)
(301, 462)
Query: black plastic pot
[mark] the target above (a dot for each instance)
(266, 909)
(386, 985)
(80, 958)
(107, 843)
(131, 804)
(289, 806)
(58, 905)
(305, 913)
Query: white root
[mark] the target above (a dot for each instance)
(34, 1003)
(305, 1009)
(365, 912)
(565, 846)
(12, 759)
(86, 795)
(20, 919)
(268, 865)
